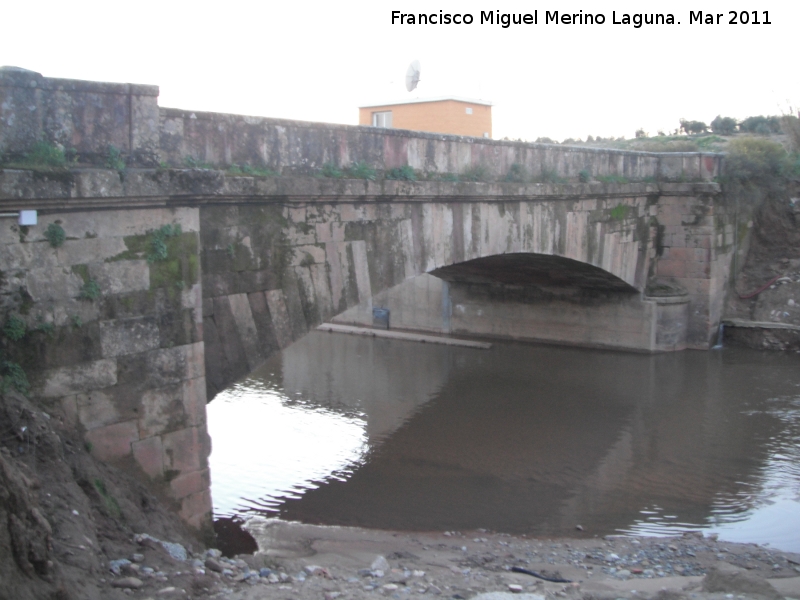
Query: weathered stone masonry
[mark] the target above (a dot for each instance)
(259, 261)
(127, 367)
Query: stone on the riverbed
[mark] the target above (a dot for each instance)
(380, 564)
(507, 596)
(175, 550)
(729, 579)
(132, 583)
(130, 569)
(313, 569)
(212, 564)
(115, 566)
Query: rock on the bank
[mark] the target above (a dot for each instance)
(730, 579)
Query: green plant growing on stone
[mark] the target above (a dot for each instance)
(619, 212)
(15, 328)
(55, 234)
(307, 260)
(476, 173)
(44, 327)
(111, 504)
(194, 163)
(517, 173)
(448, 177)
(114, 159)
(612, 179)
(77, 322)
(158, 244)
(90, 290)
(331, 171)
(231, 250)
(404, 173)
(584, 176)
(45, 154)
(361, 170)
(235, 169)
(88, 446)
(549, 176)
(13, 377)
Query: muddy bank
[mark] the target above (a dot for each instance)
(763, 308)
(316, 562)
(64, 516)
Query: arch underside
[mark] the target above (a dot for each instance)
(529, 269)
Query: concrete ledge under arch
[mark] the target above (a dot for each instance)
(561, 308)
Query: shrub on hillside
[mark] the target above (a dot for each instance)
(791, 127)
(756, 161)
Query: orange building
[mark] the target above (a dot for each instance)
(458, 116)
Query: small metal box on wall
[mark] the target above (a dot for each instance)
(380, 318)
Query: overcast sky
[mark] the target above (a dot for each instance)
(319, 61)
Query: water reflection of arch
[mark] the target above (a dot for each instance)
(600, 437)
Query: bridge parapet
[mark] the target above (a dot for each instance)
(90, 116)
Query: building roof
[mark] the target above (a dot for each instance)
(425, 100)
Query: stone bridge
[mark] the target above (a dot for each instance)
(133, 322)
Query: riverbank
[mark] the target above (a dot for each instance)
(316, 562)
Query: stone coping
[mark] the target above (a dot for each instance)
(14, 77)
(94, 188)
(167, 112)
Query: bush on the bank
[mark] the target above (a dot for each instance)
(791, 127)
(756, 161)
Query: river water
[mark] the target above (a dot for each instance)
(389, 434)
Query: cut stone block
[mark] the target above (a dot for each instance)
(113, 441)
(85, 377)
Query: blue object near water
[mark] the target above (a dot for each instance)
(380, 318)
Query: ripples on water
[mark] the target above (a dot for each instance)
(523, 439)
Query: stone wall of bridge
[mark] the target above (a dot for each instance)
(113, 340)
(258, 262)
(86, 118)
(130, 325)
(297, 147)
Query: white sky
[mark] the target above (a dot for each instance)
(319, 61)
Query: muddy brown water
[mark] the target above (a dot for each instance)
(529, 439)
